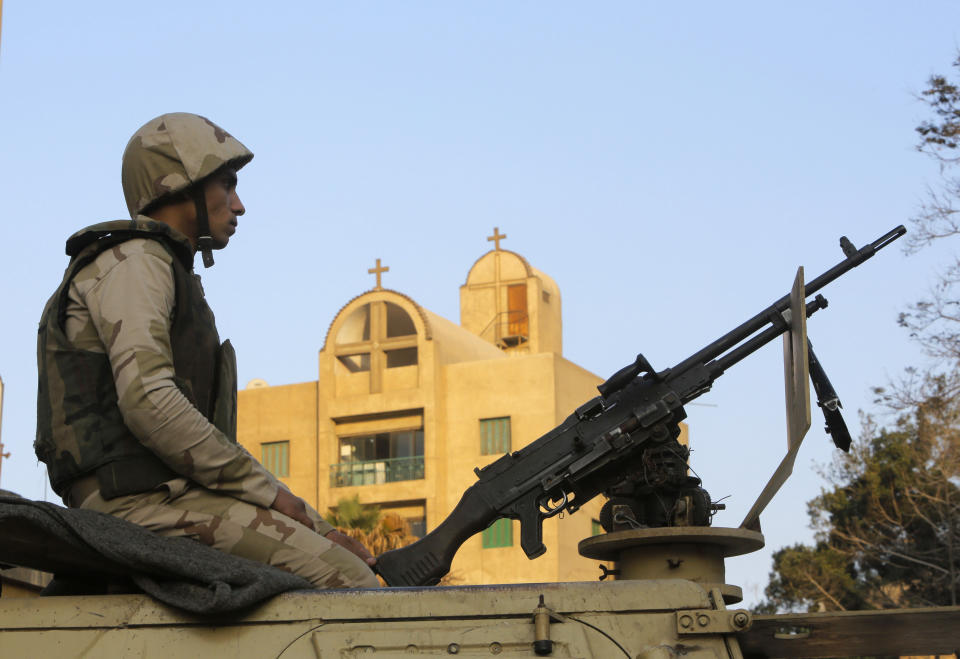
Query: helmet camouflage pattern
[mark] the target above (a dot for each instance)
(173, 151)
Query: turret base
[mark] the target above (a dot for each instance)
(695, 553)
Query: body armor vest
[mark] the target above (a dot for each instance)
(80, 430)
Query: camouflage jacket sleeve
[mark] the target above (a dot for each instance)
(122, 304)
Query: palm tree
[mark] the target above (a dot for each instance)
(376, 530)
(351, 514)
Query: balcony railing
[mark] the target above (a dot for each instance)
(376, 472)
(508, 329)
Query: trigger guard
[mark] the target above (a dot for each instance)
(548, 511)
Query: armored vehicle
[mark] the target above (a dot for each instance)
(668, 599)
(665, 597)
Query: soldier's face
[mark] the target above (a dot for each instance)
(223, 206)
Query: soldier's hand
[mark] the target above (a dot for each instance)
(293, 507)
(354, 546)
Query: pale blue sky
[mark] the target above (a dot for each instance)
(669, 164)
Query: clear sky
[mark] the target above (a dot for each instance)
(669, 164)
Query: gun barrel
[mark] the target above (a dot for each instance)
(762, 339)
(751, 326)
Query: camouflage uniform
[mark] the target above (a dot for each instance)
(121, 308)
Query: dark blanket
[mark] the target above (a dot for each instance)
(95, 547)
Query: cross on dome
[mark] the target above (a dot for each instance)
(378, 270)
(496, 238)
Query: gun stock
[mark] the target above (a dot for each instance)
(426, 561)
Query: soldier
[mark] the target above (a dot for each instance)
(136, 408)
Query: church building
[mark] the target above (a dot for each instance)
(407, 403)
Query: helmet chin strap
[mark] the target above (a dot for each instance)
(204, 239)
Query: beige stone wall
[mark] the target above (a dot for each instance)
(548, 315)
(283, 413)
(458, 379)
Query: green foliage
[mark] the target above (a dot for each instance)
(377, 531)
(806, 576)
(351, 514)
(389, 531)
(888, 530)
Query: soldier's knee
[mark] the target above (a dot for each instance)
(344, 570)
(367, 580)
(352, 575)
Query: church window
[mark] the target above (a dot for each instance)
(399, 322)
(377, 336)
(275, 456)
(356, 327)
(495, 436)
(498, 534)
(374, 459)
(517, 318)
(359, 363)
(401, 357)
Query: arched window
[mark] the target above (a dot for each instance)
(375, 336)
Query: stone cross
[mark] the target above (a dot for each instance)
(496, 238)
(378, 271)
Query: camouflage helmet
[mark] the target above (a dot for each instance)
(170, 153)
